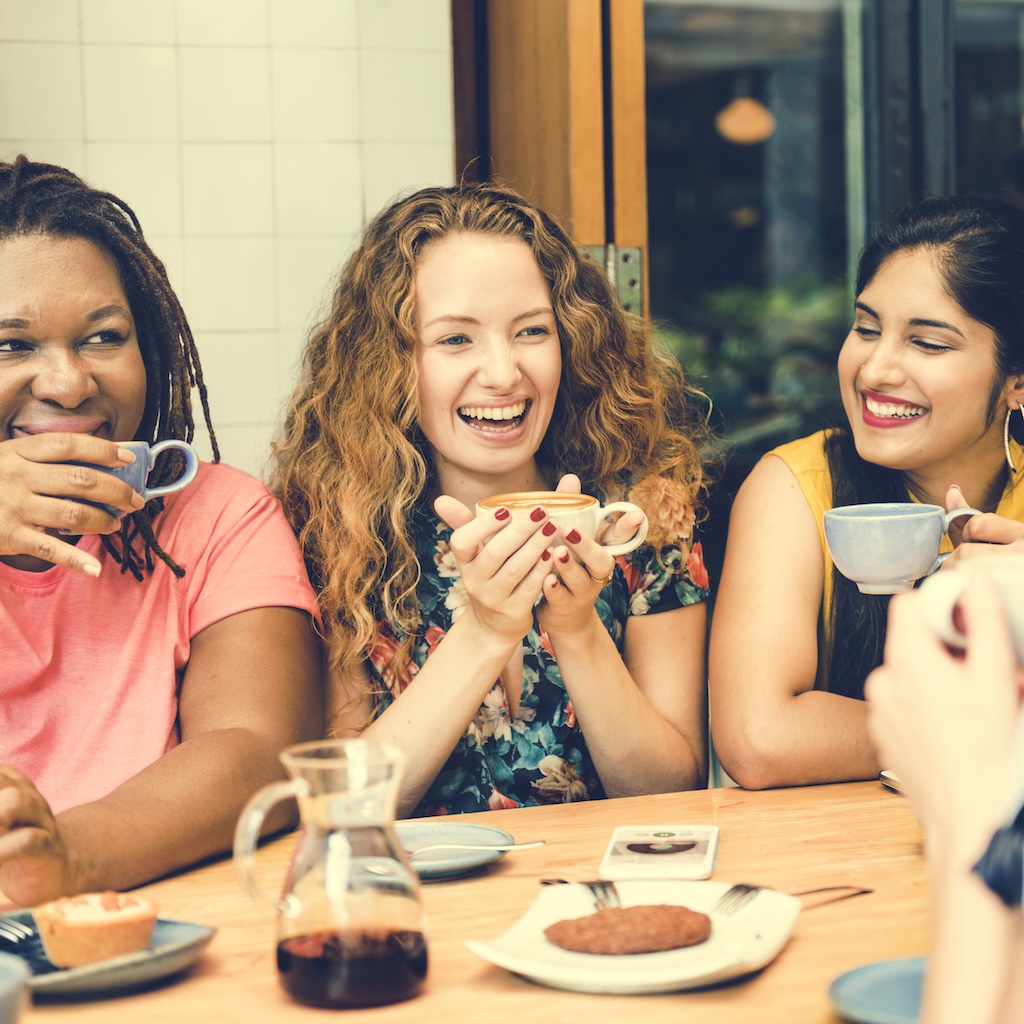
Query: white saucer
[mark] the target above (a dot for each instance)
(890, 780)
(740, 943)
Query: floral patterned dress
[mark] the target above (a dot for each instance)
(539, 756)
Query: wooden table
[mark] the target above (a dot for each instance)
(792, 840)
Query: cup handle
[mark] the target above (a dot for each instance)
(191, 467)
(637, 539)
(957, 513)
(247, 833)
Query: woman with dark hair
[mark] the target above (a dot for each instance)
(154, 662)
(473, 349)
(932, 381)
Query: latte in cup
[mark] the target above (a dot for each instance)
(582, 511)
(524, 502)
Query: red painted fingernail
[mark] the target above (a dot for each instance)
(537, 514)
(501, 513)
(564, 558)
(548, 528)
(545, 555)
(573, 536)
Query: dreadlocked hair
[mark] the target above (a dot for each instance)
(353, 469)
(42, 199)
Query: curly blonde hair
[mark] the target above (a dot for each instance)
(353, 466)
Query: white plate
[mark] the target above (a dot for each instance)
(441, 864)
(888, 992)
(740, 943)
(175, 945)
(890, 780)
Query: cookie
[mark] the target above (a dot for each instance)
(644, 929)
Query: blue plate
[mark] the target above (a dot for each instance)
(440, 865)
(888, 992)
(175, 945)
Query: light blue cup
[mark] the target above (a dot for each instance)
(14, 992)
(886, 547)
(136, 473)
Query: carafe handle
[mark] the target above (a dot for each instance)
(247, 833)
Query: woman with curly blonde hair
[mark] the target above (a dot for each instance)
(472, 349)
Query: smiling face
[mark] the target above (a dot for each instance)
(489, 362)
(919, 380)
(69, 355)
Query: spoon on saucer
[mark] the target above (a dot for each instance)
(474, 846)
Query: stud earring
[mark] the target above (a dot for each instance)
(1006, 436)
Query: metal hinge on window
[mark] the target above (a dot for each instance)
(625, 270)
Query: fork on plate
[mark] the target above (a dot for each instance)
(14, 931)
(605, 894)
(734, 897)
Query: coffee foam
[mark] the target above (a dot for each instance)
(527, 501)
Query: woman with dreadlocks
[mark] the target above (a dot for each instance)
(155, 663)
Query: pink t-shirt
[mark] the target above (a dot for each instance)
(90, 668)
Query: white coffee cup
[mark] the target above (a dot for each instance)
(567, 510)
(886, 547)
(941, 593)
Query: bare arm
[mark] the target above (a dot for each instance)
(502, 567)
(643, 714)
(252, 686)
(769, 725)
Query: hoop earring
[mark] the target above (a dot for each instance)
(1006, 436)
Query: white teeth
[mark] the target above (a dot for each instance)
(505, 412)
(892, 410)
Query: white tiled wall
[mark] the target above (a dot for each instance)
(252, 138)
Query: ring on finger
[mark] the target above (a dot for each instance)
(603, 580)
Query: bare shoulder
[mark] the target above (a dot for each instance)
(774, 567)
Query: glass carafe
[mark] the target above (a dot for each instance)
(349, 920)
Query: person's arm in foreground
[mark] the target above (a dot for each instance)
(770, 727)
(252, 686)
(944, 724)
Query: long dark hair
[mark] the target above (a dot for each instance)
(978, 242)
(42, 199)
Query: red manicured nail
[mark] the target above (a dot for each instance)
(501, 513)
(573, 536)
(537, 514)
(564, 558)
(545, 555)
(548, 528)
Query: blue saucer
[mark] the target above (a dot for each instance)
(888, 992)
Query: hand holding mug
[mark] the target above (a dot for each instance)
(136, 473)
(502, 562)
(60, 483)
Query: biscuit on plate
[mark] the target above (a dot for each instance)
(644, 929)
(94, 926)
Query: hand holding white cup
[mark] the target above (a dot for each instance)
(566, 511)
(941, 593)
